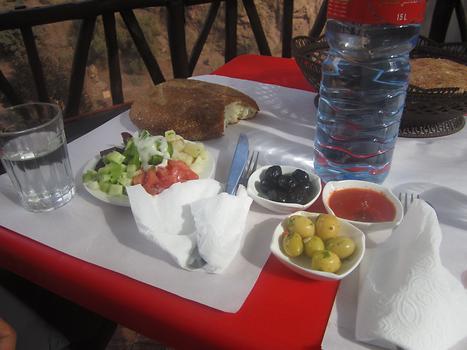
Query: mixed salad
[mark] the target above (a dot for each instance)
(155, 162)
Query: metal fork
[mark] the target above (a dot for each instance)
(407, 200)
(250, 168)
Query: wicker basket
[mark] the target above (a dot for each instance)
(428, 112)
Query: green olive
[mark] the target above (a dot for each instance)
(325, 260)
(327, 226)
(312, 245)
(302, 225)
(292, 244)
(342, 246)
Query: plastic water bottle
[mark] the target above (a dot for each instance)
(363, 86)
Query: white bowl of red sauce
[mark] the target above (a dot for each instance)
(367, 205)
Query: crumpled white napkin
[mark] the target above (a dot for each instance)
(407, 298)
(193, 222)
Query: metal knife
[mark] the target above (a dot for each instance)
(239, 161)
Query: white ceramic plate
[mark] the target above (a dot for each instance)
(278, 207)
(332, 186)
(122, 200)
(302, 264)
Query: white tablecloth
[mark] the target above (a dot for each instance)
(436, 168)
(106, 235)
(284, 131)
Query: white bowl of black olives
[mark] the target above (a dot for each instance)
(283, 189)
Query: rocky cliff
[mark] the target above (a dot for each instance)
(56, 42)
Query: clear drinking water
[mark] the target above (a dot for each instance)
(36, 159)
(362, 97)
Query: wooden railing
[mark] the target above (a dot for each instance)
(183, 64)
(443, 11)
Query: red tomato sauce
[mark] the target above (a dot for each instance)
(359, 204)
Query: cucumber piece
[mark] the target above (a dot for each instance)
(177, 145)
(115, 157)
(131, 170)
(90, 175)
(104, 186)
(170, 135)
(93, 185)
(124, 180)
(194, 149)
(200, 162)
(184, 157)
(104, 178)
(115, 190)
(116, 171)
(104, 170)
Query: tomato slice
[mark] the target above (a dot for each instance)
(156, 179)
(138, 179)
(181, 171)
(165, 177)
(151, 181)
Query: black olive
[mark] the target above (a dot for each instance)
(285, 188)
(307, 186)
(281, 197)
(298, 196)
(265, 185)
(286, 182)
(272, 173)
(301, 176)
(292, 197)
(272, 195)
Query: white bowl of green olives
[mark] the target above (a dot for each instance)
(283, 189)
(318, 246)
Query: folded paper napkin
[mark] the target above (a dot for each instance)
(193, 222)
(407, 299)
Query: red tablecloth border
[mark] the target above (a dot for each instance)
(283, 311)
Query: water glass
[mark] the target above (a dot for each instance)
(33, 151)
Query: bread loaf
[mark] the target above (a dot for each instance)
(194, 109)
(430, 73)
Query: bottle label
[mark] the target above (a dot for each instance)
(397, 12)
